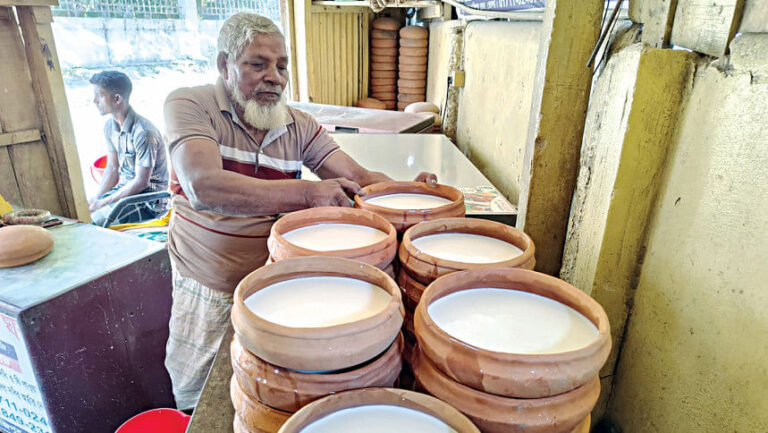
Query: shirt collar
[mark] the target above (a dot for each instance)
(130, 118)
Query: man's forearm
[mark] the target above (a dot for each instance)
(131, 188)
(108, 182)
(233, 194)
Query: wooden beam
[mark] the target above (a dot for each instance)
(19, 137)
(755, 18)
(657, 26)
(560, 100)
(29, 2)
(48, 85)
(706, 26)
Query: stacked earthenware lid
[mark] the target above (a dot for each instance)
(412, 66)
(427, 107)
(384, 62)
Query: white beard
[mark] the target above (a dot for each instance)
(257, 115)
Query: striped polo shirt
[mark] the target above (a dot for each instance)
(219, 250)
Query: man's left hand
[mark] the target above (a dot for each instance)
(429, 178)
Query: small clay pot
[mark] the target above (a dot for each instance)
(426, 268)
(379, 254)
(414, 43)
(23, 244)
(316, 349)
(378, 396)
(511, 374)
(495, 414)
(255, 416)
(403, 219)
(290, 390)
(410, 289)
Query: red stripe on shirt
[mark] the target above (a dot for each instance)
(234, 235)
(245, 168)
(268, 173)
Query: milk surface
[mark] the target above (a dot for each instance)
(467, 248)
(316, 302)
(332, 237)
(512, 321)
(378, 419)
(409, 201)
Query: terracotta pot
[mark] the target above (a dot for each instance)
(23, 244)
(583, 427)
(291, 390)
(510, 374)
(410, 289)
(408, 328)
(254, 416)
(375, 396)
(317, 349)
(379, 254)
(495, 414)
(402, 219)
(426, 268)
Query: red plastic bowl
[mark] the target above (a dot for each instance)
(156, 421)
(97, 169)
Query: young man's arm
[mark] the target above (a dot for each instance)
(108, 181)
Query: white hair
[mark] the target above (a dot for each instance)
(239, 30)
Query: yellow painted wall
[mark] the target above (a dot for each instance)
(695, 356)
(495, 104)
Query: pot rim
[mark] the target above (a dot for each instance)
(511, 279)
(467, 226)
(401, 187)
(379, 396)
(302, 267)
(320, 215)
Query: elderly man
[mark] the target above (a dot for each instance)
(237, 150)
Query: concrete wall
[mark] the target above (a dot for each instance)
(495, 104)
(694, 356)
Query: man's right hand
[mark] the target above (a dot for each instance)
(331, 192)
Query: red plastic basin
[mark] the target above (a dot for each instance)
(156, 421)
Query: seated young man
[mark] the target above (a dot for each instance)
(136, 156)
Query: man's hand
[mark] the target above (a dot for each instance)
(331, 192)
(96, 204)
(429, 178)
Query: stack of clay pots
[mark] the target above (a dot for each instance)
(280, 368)
(384, 61)
(380, 253)
(535, 392)
(418, 268)
(412, 66)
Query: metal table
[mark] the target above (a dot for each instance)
(402, 157)
(83, 333)
(338, 118)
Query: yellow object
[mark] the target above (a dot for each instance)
(160, 222)
(5, 207)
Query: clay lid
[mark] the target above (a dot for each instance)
(414, 32)
(385, 23)
(23, 244)
(378, 396)
(513, 374)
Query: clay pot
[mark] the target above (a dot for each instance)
(425, 268)
(495, 414)
(511, 374)
(411, 290)
(403, 219)
(254, 416)
(376, 396)
(414, 32)
(289, 390)
(23, 244)
(379, 254)
(316, 349)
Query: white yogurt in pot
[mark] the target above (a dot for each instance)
(380, 418)
(333, 237)
(467, 248)
(512, 321)
(408, 201)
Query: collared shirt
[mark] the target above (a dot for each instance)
(138, 144)
(219, 250)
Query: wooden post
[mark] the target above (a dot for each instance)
(657, 23)
(706, 26)
(560, 101)
(48, 85)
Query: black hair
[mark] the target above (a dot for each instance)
(114, 82)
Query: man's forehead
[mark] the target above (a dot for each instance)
(267, 46)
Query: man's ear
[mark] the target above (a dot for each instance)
(221, 64)
(117, 98)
